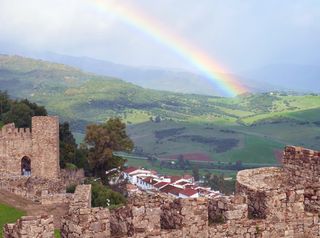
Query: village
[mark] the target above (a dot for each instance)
(140, 179)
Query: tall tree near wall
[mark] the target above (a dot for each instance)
(195, 173)
(19, 112)
(68, 146)
(102, 140)
(4, 103)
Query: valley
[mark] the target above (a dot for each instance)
(250, 128)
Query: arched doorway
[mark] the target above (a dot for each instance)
(26, 166)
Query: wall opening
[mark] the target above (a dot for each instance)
(26, 166)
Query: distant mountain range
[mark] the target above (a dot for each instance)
(154, 78)
(275, 77)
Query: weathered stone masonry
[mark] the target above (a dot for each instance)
(269, 203)
(39, 145)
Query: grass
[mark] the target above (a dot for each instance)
(131, 161)
(57, 233)
(9, 215)
(256, 150)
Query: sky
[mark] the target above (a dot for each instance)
(239, 34)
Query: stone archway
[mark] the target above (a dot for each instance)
(26, 166)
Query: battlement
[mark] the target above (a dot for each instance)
(10, 132)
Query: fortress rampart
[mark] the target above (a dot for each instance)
(269, 202)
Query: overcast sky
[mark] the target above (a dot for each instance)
(241, 34)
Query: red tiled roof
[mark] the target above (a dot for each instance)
(130, 169)
(166, 188)
(190, 186)
(160, 184)
(182, 183)
(188, 192)
(175, 191)
(153, 182)
(170, 189)
(148, 179)
(173, 178)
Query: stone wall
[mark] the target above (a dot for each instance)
(32, 187)
(40, 145)
(267, 205)
(224, 208)
(84, 221)
(303, 167)
(30, 227)
(55, 198)
(72, 177)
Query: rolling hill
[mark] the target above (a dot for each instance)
(251, 128)
(172, 80)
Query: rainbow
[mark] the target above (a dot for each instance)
(195, 56)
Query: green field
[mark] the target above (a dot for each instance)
(8, 215)
(166, 171)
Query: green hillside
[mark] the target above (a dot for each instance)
(251, 128)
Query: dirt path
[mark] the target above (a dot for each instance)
(32, 208)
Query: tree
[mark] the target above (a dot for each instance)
(181, 162)
(157, 119)
(20, 114)
(102, 140)
(195, 173)
(36, 109)
(4, 102)
(68, 146)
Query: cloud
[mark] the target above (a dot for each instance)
(240, 34)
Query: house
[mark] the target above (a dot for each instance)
(132, 174)
(160, 185)
(188, 193)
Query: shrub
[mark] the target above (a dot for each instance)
(103, 196)
(70, 166)
(71, 188)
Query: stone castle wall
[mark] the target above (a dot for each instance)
(269, 203)
(32, 188)
(30, 227)
(84, 221)
(40, 144)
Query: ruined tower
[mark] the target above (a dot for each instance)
(31, 152)
(45, 146)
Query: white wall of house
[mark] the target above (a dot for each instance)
(143, 185)
(196, 195)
